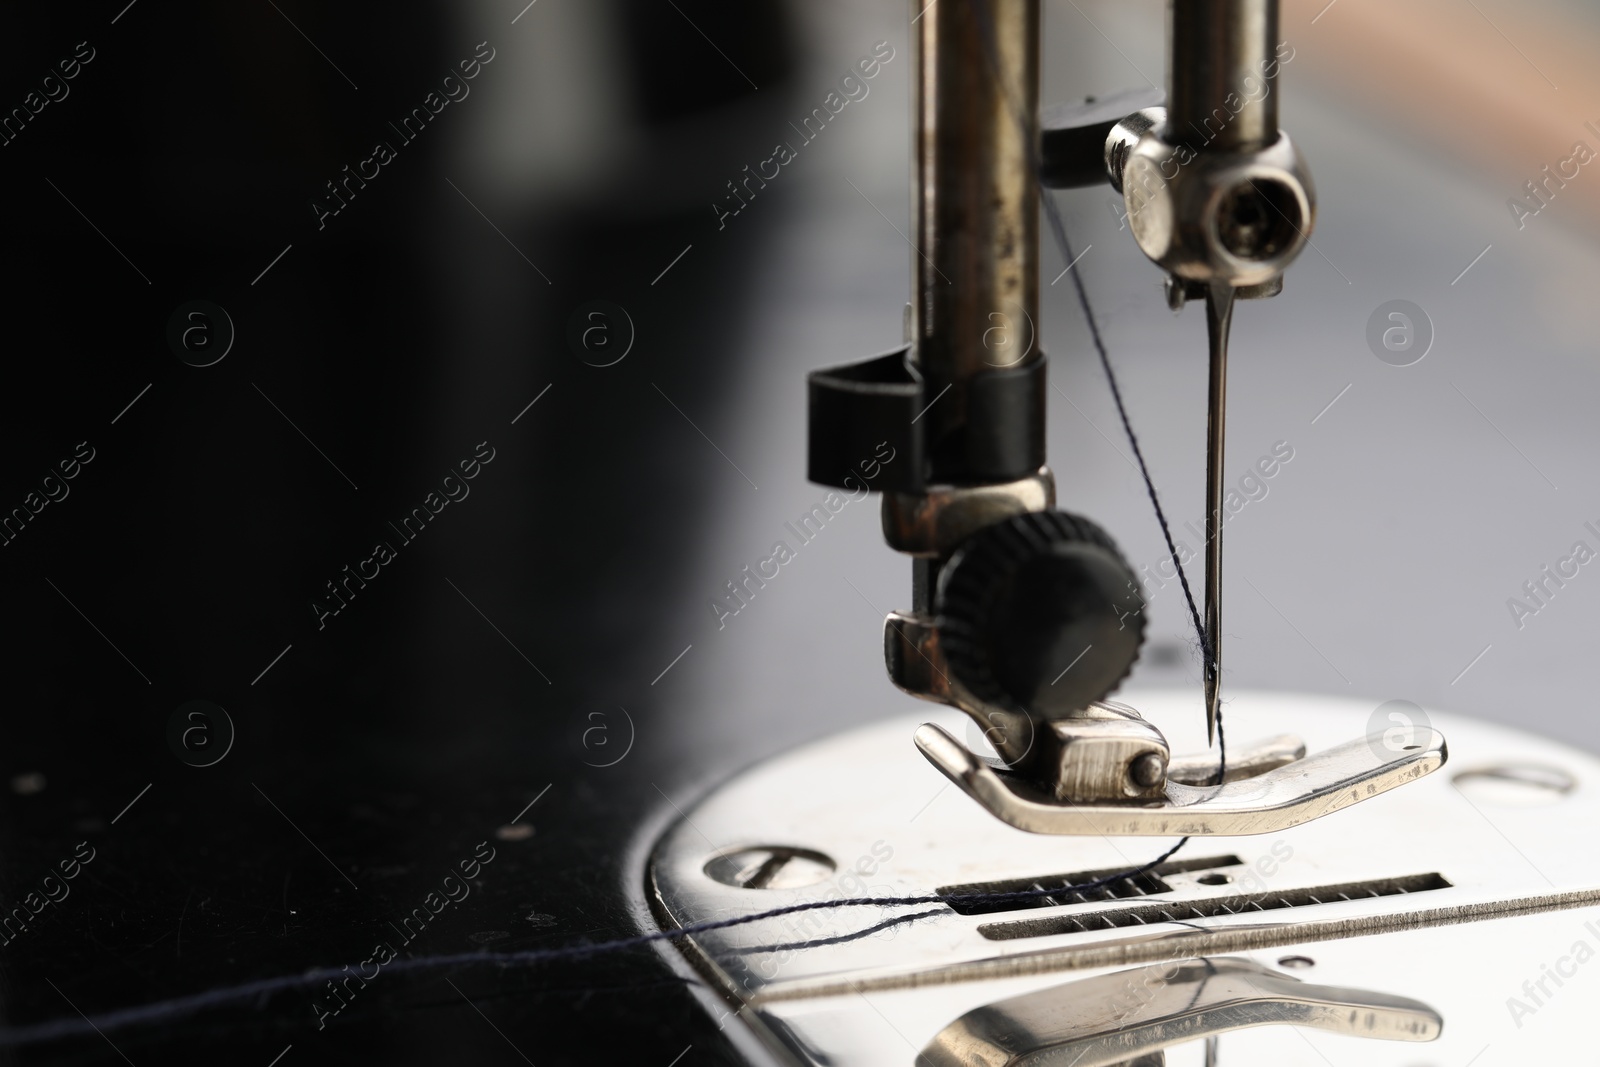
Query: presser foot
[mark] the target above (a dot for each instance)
(1278, 797)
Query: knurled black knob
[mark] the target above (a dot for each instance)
(1040, 613)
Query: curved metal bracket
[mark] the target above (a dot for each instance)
(1118, 1018)
(1297, 793)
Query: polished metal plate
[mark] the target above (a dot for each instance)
(1481, 891)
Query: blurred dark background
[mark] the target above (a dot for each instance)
(548, 639)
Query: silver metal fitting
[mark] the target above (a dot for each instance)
(1125, 136)
(1109, 755)
(931, 524)
(1274, 800)
(1106, 754)
(1235, 217)
(917, 665)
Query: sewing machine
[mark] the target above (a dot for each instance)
(392, 397)
(1333, 901)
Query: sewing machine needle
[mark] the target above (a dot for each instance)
(1219, 317)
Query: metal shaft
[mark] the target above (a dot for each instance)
(1219, 317)
(1222, 96)
(975, 305)
(1220, 55)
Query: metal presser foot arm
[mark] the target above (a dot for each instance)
(1274, 800)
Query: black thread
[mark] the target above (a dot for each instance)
(1065, 248)
(841, 939)
(179, 1007)
(1208, 661)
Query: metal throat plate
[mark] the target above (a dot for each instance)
(1455, 914)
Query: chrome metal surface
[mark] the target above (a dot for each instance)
(1219, 197)
(931, 524)
(1105, 753)
(1219, 318)
(836, 986)
(1244, 761)
(977, 202)
(1307, 789)
(1215, 192)
(917, 665)
(1219, 53)
(1124, 136)
(1106, 759)
(1117, 1017)
(1255, 904)
(1176, 198)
